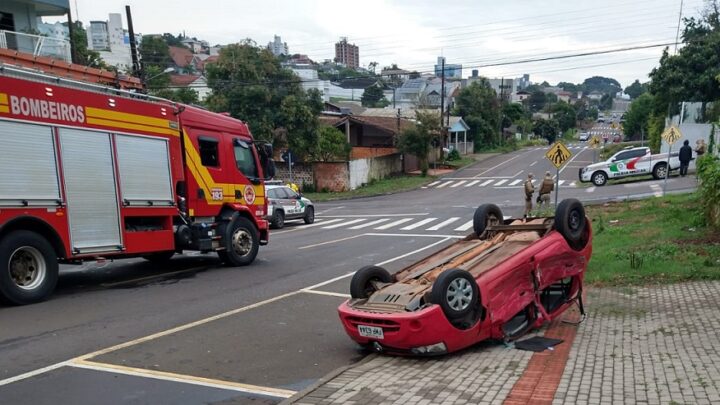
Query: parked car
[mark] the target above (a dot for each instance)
(584, 136)
(286, 204)
(630, 162)
(504, 279)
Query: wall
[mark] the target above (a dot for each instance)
(331, 176)
(364, 170)
(301, 173)
(359, 152)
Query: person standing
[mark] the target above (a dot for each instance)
(547, 187)
(685, 157)
(529, 190)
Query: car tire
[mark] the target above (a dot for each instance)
(485, 215)
(660, 171)
(309, 217)
(571, 222)
(278, 219)
(240, 240)
(160, 257)
(457, 293)
(599, 178)
(29, 270)
(361, 285)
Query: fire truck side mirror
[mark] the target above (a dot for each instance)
(265, 150)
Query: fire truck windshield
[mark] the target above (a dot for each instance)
(245, 159)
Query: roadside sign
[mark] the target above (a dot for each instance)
(671, 135)
(613, 125)
(558, 154)
(605, 135)
(594, 142)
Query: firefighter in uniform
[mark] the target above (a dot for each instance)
(547, 187)
(529, 190)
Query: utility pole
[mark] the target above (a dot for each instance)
(442, 105)
(502, 95)
(137, 69)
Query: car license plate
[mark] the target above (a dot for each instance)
(371, 331)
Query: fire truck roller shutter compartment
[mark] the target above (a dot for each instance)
(90, 188)
(30, 147)
(144, 168)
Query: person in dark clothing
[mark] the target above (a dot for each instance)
(685, 157)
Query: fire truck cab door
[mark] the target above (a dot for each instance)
(91, 191)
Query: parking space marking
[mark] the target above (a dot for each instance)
(332, 294)
(182, 378)
(33, 373)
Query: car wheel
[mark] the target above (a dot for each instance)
(570, 221)
(240, 240)
(161, 257)
(363, 281)
(29, 270)
(309, 215)
(486, 215)
(457, 293)
(599, 178)
(278, 219)
(659, 171)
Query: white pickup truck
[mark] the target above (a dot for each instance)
(630, 162)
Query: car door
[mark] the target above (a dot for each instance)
(287, 202)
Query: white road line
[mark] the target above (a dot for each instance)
(365, 225)
(332, 294)
(472, 183)
(560, 183)
(329, 242)
(657, 190)
(464, 227)
(458, 184)
(533, 163)
(396, 223)
(413, 252)
(515, 182)
(354, 221)
(500, 164)
(447, 183)
(573, 184)
(186, 379)
(33, 373)
(414, 214)
(443, 224)
(418, 224)
(486, 183)
(500, 183)
(322, 222)
(590, 189)
(433, 183)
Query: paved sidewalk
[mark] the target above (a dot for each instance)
(655, 345)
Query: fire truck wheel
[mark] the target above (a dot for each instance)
(457, 293)
(29, 269)
(486, 215)
(363, 282)
(241, 242)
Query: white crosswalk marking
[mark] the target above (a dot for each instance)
(572, 184)
(486, 183)
(459, 183)
(322, 222)
(354, 221)
(433, 183)
(472, 183)
(365, 225)
(396, 223)
(560, 183)
(447, 183)
(443, 224)
(464, 227)
(418, 224)
(515, 182)
(501, 182)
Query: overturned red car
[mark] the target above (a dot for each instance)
(507, 277)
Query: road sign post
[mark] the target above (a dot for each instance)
(670, 135)
(558, 155)
(594, 143)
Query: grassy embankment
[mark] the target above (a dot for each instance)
(657, 240)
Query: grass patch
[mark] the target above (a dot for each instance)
(510, 147)
(462, 162)
(377, 187)
(658, 240)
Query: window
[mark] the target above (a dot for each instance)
(209, 151)
(637, 153)
(272, 193)
(288, 193)
(245, 159)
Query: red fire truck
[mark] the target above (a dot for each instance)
(89, 172)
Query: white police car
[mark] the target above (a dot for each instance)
(286, 204)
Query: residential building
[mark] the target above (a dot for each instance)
(309, 80)
(278, 47)
(523, 82)
(195, 45)
(452, 71)
(410, 93)
(20, 17)
(110, 40)
(184, 61)
(504, 88)
(193, 81)
(347, 54)
(350, 89)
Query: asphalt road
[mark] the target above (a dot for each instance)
(195, 332)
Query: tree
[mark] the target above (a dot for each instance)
(635, 89)
(566, 115)
(332, 145)
(83, 55)
(183, 95)
(601, 84)
(479, 107)
(537, 100)
(638, 116)
(606, 102)
(513, 111)
(416, 140)
(374, 97)
(547, 129)
(172, 40)
(156, 78)
(154, 51)
(372, 66)
(571, 87)
(249, 83)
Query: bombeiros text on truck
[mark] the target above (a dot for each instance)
(89, 172)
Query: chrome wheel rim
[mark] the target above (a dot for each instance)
(28, 269)
(241, 242)
(662, 172)
(599, 179)
(459, 294)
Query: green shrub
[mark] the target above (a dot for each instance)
(708, 172)
(453, 155)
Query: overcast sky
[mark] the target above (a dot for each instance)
(413, 33)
